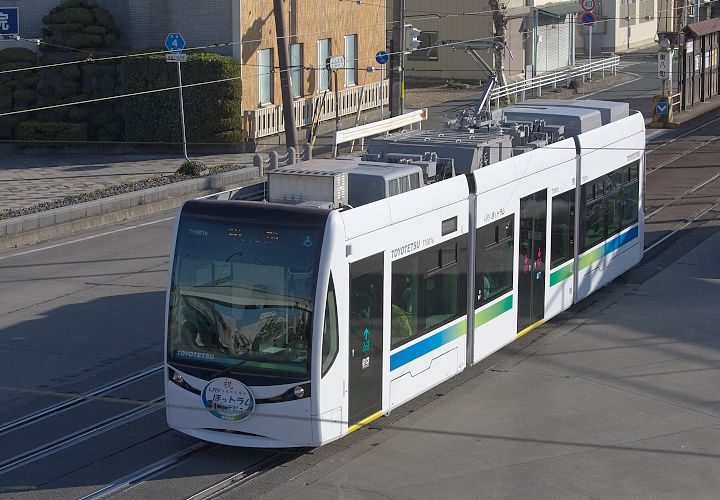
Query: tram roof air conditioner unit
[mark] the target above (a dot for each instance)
(315, 182)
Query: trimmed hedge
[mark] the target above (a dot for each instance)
(18, 91)
(51, 131)
(213, 113)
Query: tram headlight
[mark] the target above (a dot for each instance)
(299, 392)
(177, 378)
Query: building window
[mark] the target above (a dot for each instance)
(265, 76)
(350, 60)
(296, 69)
(323, 71)
(428, 47)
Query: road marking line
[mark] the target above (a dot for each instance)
(128, 228)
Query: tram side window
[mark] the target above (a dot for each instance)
(494, 260)
(331, 336)
(427, 291)
(610, 204)
(630, 195)
(594, 215)
(563, 228)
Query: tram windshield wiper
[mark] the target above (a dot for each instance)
(230, 368)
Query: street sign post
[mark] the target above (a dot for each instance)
(175, 43)
(334, 63)
(382, 59)
(9, 21)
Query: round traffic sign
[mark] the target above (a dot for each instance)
(587, 5)
(588, 18)
(382, 57)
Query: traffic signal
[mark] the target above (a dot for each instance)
(412, 38)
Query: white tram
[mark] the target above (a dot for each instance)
(296, 321)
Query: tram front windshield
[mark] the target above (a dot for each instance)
(241, 298)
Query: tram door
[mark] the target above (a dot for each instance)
(365, 356)
(531, 269)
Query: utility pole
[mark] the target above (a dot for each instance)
(284, 60)
(397, 60)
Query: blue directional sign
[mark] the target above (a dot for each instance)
(9, 21)
(382, 57)
(662, 108)
(175, 42)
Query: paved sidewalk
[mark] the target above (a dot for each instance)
(31, 179)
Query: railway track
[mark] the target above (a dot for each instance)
(132, 482)
(80, 399)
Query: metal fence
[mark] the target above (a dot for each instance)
(269, 121)
(562, 77)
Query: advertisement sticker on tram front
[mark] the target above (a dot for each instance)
(228, 399)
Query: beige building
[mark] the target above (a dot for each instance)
(464, 20)
(317, 30)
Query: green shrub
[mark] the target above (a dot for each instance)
(25, 96)
(94, 30)
(83, 40)
(70, 72)
(212, 112)
(47, 131)
(17, 55)
(78, 114)
(192, 167)
(7, 126)
(102, 117)
(92, 70)
(64, 14)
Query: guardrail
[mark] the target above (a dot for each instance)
(269, 121)
(564, 77)
(676, 102)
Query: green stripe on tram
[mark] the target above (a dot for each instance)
(561, 274)
(492, 312)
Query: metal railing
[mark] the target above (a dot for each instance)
(562, 77)
(269, 120)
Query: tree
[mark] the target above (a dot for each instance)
(500, 22)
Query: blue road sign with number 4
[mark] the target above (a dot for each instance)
(662, 108)
(175, 42)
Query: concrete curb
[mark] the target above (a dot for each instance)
(33, 228)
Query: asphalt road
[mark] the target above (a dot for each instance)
(84, 311)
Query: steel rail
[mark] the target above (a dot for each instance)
(682, 226)
(52, 410)
(74, 438)
(133, 479)
(240, 478)
(682, 195)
